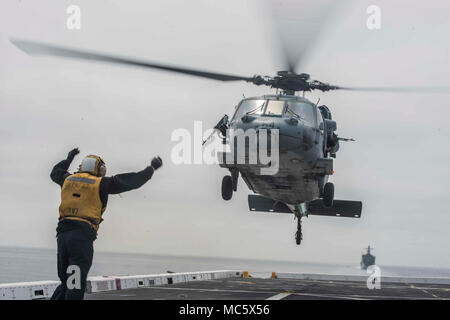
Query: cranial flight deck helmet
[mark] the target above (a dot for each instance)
(92, 164)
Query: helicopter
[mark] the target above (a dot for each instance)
(307, 145)
(308, 142)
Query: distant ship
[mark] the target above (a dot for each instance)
(367, 259)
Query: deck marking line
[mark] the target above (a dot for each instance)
(330, 296)
(423, 290)
(279, 296)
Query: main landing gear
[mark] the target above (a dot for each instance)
(229, 184)
(328, 194)
(227, 188)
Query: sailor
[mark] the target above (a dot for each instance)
(84, 196)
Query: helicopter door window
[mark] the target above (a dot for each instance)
(301, 110)
(275, 108)
(250, 106)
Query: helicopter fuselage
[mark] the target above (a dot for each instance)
(300, 147)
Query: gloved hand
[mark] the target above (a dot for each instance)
(156, 162)
(72, 154)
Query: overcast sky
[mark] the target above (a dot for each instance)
(398, 165)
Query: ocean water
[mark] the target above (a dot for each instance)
(19, 264)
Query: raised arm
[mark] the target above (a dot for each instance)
(129, 181)
(59, 172)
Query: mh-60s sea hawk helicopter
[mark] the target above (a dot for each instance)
(307, 136)
(307, 145)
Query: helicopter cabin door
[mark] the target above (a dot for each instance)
(320, 131)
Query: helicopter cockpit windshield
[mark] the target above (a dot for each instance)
(275, 108)
(297, 109)
(250, 106)
(301, 110)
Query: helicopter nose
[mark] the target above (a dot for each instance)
(291, 134)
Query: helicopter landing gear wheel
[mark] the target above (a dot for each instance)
(328, 194)
(227, 188)
(298, 234)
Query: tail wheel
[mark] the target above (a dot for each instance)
(227, 188)
(298, 234)
(298, 237)
(328, 194)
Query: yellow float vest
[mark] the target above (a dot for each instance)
(80, 199)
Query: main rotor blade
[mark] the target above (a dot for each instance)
(399, 89)
(37, 48)
(298, 26)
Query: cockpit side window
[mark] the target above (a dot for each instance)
(250, 106)
(301, 110)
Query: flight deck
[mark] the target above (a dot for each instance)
(276, 289)
(241, 285)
